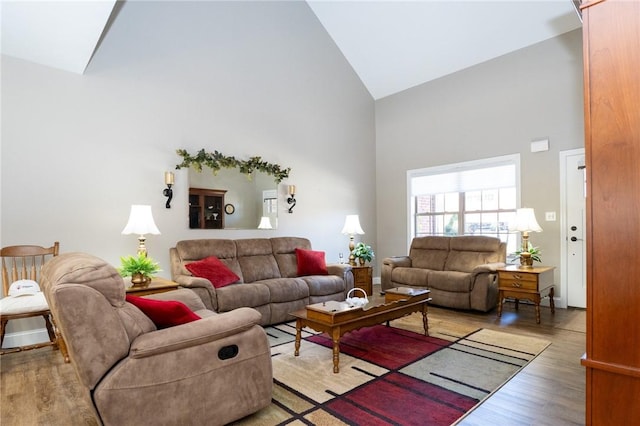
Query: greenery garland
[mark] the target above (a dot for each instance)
(216, 160)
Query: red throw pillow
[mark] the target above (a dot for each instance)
(164, 313)
(214, 270)
(311, 262)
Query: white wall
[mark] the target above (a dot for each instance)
(492, 109)
(245, 78)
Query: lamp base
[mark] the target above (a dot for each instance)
(352, 246)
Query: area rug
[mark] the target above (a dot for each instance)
(390, 375)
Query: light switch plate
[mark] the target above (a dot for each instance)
(550, 216)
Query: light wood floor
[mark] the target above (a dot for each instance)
(37, 388)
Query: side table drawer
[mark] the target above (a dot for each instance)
(518, 280)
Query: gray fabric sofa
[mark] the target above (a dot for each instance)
(459, 271)
(213, 370)
(267, 268)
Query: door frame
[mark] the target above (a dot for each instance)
(564, 233)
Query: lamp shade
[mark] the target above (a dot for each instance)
(265, 223)
(140, 221)
(352, 225)
(525, 221)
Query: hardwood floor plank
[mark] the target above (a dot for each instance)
(38, 388)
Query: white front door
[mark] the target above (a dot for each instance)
(574, 223)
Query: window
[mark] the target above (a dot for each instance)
(472, 198)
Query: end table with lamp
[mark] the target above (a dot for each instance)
(527, 283)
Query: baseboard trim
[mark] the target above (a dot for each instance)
(25, 338)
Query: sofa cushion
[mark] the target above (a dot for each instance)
(467, 252)
(451, 281)
(284, 250)
(238, 295)
(256, 260)
(199, 249)
(429, 252)
(286, 289)
(324, 285)
(311, 262)
(164, 313)
(214, 270)
(409, 276)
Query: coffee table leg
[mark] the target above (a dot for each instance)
(500, 304)
(336, 349)
(425, 320)
(551, 301)
(296, 352)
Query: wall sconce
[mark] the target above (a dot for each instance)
(352, 227)
(141, 222)
(169, 180)
(291, 190)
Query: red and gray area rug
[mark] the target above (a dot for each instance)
(390, 375)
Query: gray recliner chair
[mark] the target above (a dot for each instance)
(210, 371)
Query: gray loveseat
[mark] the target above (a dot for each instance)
(459, 271)
(267, 268)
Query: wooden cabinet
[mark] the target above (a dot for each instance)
(206, 208)
(363, 278)
(611, 37)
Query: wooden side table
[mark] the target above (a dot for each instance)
(526, 283)
(157, 285)
(363, 278)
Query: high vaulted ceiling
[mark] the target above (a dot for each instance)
(392, 45)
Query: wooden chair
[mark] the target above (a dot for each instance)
(25, 263)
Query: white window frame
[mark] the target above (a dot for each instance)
(457, 167)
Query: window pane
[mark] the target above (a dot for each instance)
(507, 198)
(423, 203)
(489, 223)
(472, 223)
(452, 224)
(473, 201)
(451, 201)
(439, 203)
(490, 199)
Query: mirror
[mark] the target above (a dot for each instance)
(232, 200)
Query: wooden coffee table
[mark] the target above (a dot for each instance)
(338, 318)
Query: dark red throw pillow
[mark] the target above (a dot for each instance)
(214, 270)
(164, 313)
(311, 262)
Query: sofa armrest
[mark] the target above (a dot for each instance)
(202, 287)
(339, 269)
(184, 295)
(388, 265)
(397, 261)
(487, 268)
(344, 271)
(194, 333)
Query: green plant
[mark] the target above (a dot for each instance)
(363, 251)
(140, 264)
(216, 160)
(533, 251)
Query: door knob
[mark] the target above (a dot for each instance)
(574, 228)
(574, 239)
